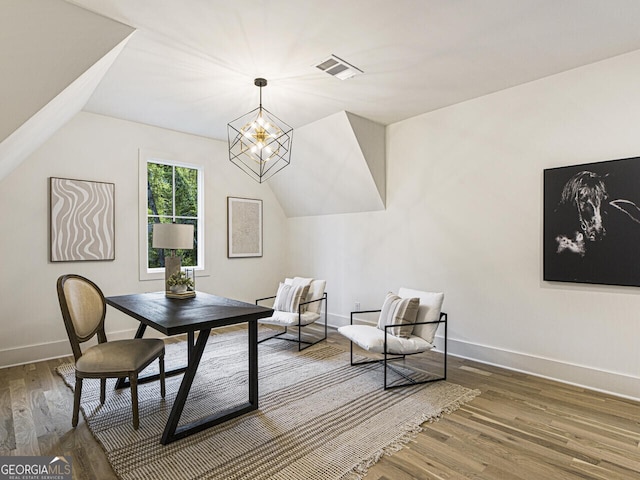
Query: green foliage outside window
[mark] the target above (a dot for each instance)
(172, 196)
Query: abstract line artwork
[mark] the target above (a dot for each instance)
(592, 223)
(82, 220)
(244, 227)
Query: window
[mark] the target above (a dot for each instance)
(172, 193)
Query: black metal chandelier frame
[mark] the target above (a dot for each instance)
(259, 141)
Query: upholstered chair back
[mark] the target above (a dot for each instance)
(428, 311)
(316, 290)
(83, 310)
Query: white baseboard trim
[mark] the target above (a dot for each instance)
(612, 383)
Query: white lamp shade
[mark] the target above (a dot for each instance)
(173, 236)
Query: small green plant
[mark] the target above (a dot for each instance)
(180, 278)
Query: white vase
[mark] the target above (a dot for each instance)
(178, 288)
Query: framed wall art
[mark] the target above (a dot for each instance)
(81, 220)
(244, 227)
(592, 223)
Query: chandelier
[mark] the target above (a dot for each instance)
(259, 142)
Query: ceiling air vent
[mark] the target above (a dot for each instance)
(338, 68)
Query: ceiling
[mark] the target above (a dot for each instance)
(191, 63)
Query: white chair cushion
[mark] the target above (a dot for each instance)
(372, 339)
(429, 311)
(287, 319)
(316, 291)
(301, 281)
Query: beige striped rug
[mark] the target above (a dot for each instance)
(319, 417)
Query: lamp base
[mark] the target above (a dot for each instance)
(172, 265)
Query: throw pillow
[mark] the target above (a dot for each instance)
(304, 282)
(288, 297)
(396, 311)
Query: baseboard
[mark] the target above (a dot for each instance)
(61, 348)
(613, 383)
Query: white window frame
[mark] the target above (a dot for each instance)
(144, 157)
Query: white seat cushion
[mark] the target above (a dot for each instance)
(287, 319)
(372, 339)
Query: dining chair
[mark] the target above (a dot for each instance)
(83, 311)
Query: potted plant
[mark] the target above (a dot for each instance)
(179, 282)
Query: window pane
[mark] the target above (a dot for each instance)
(172, 196)
(159, 189)
(190, 257)
(186, 192)
(155, 255)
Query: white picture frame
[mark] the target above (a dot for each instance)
(244, 227)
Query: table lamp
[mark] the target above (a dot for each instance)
(172, 236)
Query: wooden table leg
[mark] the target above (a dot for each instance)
(172, 431)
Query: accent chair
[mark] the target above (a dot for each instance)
(297, 304)
(406, 326)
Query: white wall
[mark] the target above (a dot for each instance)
(40, 39)
(337, 166)
(94, 147)
(464, 216)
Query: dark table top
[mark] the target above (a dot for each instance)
(173, 316)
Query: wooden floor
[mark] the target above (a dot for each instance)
(520, 427)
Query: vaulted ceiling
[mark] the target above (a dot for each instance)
(190, 64)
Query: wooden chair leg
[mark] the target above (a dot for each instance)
(133, 380)
(162, 387)
(103, 390)
(76, 402)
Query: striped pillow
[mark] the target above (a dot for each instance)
(397, 310)
(289, 296)
(302, 282)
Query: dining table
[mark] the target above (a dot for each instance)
(200, 313)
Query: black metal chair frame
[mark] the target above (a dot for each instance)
(388, 357)
(299, 340)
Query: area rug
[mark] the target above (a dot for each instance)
(319, 418)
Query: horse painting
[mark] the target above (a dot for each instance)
(586, 192)
(588, 236)
(586, 195)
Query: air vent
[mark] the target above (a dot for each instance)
(338, 68)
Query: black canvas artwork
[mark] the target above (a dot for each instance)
(592, 223)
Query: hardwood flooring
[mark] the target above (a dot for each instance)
(520, 427)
